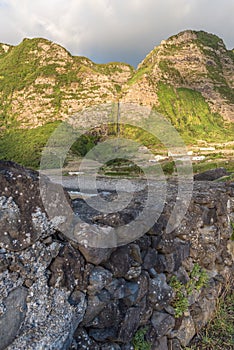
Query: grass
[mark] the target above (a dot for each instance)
(139, 342)
(190, 114)
(166, 66)
(208, 39)
(198, 278)
(204, 165)
(139, 75)
(24, 146)
(219, 332)
(121, 167)
(21, 66)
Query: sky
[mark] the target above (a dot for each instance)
(113, 30)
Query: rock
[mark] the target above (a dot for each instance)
(143, 283)
(159, 292)
(76, 297)
(181, 252)
(51, 318)
(165, 263)
(160, 344)
(133, 273)
(94, 307)
(204, 308)
(99, 278)
(211, 175)
(117, 288)
(15, 307)
(135, 253)
(119, 262)
(185, 332)
(108, 317)
(162, 323)
(114, 219)
(129, 325)
(95, 256)
(83, 341)
(144, 242)
(146, 311)
(23, 219)
(104, 305)
(112, 346)
(174, 344)
(150, 259)
(131, 293)
(127, 347)
(101, 335)
(67, 268)
(209, 216)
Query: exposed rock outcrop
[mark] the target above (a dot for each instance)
(50, 84)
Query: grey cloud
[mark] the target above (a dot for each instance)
(107, 30)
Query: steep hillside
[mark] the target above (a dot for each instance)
(188, 78)
(40, 81)
(191, 60)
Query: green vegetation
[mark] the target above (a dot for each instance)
(208, 39)
(168, 167)
(55, 70)
(167, 66)
(138, 75)
(204, 165)
(232, 226)
(23, 64)
(191, 115)
(180, 302)
(24, 146)
(121, 167)
(231, 54)
(112, 67)
(139, 341)
(219, 332)
(84, 144)
(198, 278)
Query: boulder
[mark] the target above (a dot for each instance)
(211, 175)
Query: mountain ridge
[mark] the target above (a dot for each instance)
(40, 81)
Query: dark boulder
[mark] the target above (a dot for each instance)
(211, 175)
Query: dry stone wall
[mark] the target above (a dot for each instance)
(56, 294)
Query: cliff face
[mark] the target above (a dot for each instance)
(40, 81)
(197, 61)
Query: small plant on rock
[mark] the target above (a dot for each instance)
(139, 341)
(180, 302)
(198, 279)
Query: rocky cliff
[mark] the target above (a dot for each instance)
(58, 294)
(193, 60)
(189, 78)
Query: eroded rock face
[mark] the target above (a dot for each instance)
(13, 315)
(21, 221)
(73, 297)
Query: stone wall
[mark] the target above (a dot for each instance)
(56, 294)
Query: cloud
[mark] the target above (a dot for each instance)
(107, 30)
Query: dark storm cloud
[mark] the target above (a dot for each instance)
(113, 30)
